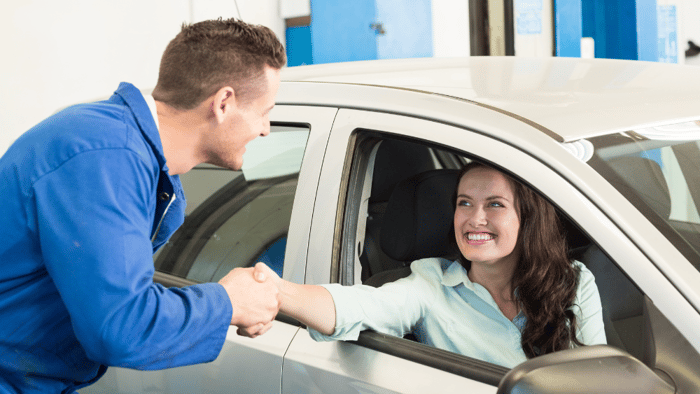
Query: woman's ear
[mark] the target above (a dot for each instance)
(224, 103)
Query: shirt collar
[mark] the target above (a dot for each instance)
(455, 274)
(152, 106)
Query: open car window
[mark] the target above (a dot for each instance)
(237, 218)
(388, 161)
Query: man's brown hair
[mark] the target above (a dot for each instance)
(208, 55)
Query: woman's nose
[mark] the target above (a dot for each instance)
(477, 218)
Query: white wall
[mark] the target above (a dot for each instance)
(689, 19)
(536, 39)
(56, 53)
(450, 28)
(295, 8)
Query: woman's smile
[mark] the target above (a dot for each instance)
(479, 238)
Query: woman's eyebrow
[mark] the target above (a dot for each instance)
(497, 197)
(494, 197)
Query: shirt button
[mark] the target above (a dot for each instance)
(164, 196)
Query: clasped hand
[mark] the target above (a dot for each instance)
(255, 298)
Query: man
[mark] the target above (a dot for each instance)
(91, 192)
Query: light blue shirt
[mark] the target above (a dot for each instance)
(443, 308)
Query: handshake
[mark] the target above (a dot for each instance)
(255, 297)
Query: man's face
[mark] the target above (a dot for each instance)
(249, 120)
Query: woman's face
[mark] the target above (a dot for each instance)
(486, 220)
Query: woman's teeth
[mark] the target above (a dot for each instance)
(479, 236)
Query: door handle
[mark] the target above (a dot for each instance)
(378, 28)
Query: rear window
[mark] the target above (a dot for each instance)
(658, 170)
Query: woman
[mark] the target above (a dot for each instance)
(512, 295)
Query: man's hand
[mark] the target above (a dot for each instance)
(311, 305)
(255, 301)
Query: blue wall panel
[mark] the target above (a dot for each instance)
(567, 28)
(298, 46)
(622, 29)
(340, 30)
(593, 24)
(647, 30)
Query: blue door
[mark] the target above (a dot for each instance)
(344, 30)
(340, 31)
(408, 29)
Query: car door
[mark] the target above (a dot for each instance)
(381, 363)
(376, 363)
(234, 219)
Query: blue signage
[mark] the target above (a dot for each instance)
(528, 16)
(668, 34)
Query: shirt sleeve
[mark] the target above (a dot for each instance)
(393, 308)
(588, 310)
(93, 220)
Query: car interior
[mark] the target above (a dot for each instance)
(409, 217)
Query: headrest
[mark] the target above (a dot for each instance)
(397, 160)
(643, 178)
(419, 216)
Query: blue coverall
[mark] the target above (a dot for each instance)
(86, 200)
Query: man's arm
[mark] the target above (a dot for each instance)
(93, 219)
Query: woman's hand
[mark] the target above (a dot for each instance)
(309, 304)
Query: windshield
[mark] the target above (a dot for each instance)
(658, 170)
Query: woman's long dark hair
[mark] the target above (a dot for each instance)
(545, 278)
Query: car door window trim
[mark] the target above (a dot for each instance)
(443, 360)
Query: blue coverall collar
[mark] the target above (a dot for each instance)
(134, 99)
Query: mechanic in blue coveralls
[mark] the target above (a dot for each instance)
(91, 192)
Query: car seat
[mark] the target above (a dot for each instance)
(395, 160)
(418, 222)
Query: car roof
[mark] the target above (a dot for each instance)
(571, 98)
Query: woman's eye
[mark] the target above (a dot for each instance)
(463, 203)
(496, 204)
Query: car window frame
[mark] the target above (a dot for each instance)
(319, 121)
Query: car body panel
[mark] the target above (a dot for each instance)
(574, 98)
(319, 121)
(345, 367)
(244, 365)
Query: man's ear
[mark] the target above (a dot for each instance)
(224, 103)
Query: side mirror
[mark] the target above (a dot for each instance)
(589, 369)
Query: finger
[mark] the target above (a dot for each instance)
(242, 332)
(266, 328)
(250, 332)
(259, 273)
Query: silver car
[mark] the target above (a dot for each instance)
(612, 144)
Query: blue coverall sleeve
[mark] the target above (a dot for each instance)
(92, 216)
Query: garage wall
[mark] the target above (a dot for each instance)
(689, 18)
(56, 53)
